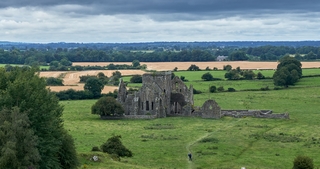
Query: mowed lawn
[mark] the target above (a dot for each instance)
(224, 143)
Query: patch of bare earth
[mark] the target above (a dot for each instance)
(71, 78)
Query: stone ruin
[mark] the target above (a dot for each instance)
(163, 96)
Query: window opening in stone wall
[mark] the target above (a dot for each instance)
(147, 105)
(151, 105)
(164, 90)
(176, 85)
(180, 90)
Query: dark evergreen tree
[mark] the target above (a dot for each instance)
(18, 144)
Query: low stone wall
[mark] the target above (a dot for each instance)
(254, 113)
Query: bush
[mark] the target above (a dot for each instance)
(95, 148)
(51, 81)
(83, 79)
(231, 89)
(212, 89)
(196, 91)
(207, 77)
(136, 79)
(115, 146)
(227, 67)
(303, 162)
(107, 106)
(193, 68)
(220, 89)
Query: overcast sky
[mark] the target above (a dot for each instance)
(158, 20)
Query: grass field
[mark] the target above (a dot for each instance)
(225, 143)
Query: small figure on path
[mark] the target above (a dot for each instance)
(190, 156)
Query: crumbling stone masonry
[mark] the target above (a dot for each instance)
(162, 96)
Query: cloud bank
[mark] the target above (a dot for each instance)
(158, 20)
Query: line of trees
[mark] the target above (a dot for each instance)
(65, 56)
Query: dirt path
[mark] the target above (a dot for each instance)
(189, 145)
(190, 163)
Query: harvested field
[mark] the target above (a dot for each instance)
(71, 78)
(79, 86)
(161, 66)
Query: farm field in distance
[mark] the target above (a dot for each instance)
(163, 66)
(225, 143)
(71, 78)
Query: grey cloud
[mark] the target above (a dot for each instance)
(112, 7)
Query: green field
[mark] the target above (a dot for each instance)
(41, 67)
(225, 143)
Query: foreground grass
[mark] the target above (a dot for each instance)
(225, 143)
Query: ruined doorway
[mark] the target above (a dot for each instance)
(177, 102)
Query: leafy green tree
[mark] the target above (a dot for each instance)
(23, 88)
(260, 75)
(238, 55)
(193, 68)
(65, 62)
(248, 74)
(175, 69)
(135, 63)
(311, 56)
(227, 67)
(303, 162)
(54, 64)
(207, 77)
(18, 143)
(95, 86)
(288, 72)
(292, 63)
(107, 106)
(115, 146)
(136, 79)
(232, 75)
(52, 81)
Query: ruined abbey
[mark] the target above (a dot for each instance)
(163, 96)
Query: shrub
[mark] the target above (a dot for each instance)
(95, 148)
(220, 89)
(51, 81)
(212, 89)
(183, 78)
(230, 89)
(115, 146)
(83, 79)
(207, 77)
(107, 106)
(193, 68)
(303, 162)
(227, 67)
(196, 91)
(136, 79)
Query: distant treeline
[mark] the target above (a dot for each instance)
(263, 53)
